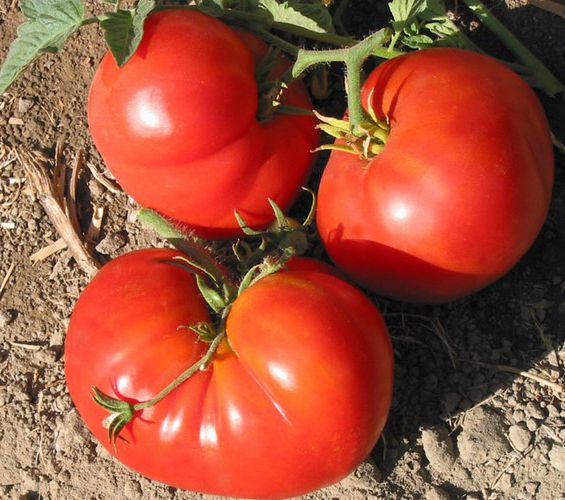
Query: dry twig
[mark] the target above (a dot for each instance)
(49, 250)
(71, 200)
(7, 278)
(39, 179)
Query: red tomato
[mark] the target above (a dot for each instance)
(294, 401)
(459, 192)
(177, 127)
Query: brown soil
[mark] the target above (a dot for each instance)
(462, 425)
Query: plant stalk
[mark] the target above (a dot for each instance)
(189, 244)
(541, 76)
(200, 365)
(354, 58)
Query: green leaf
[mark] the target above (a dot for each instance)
(312, 16)
(418, 41)
(404, 12)
(123, 30)
(48, 24)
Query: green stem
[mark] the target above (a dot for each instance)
(200, 365)
(353, 57)
(189, 244)
(90, 20)
(541, 76)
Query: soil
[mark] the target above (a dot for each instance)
(464, 422)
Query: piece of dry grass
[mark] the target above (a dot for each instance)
(7, 278)
(49, 250)
(36, 172)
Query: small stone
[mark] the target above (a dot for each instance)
(482, 438)
(519, 436)
(552, 410)
(438, 448)
(532, 424)
(436, 493)
(24, 105)
(557, 458)
(518, 415)
(15, 121)
(112, 242)
(534, 410)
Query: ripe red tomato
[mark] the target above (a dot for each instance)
(459, 192)
(294, 400)
(177, 126)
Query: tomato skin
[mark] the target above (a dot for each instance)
(297, 404)
(461, 189)
(176, 126)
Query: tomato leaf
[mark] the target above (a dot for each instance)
(48, 24)
(404, 12)
(312, 16)
(123, 30)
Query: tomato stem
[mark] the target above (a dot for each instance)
(122, 412)
(354, 57)
(190, 245)
(200, 365)
(540, 76)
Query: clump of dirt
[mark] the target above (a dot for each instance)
(477, 413)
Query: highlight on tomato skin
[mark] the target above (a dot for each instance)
(177, 125)
(460, 190)
(293, 401)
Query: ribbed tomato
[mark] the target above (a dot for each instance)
(461, 188)
(177, 125)
(293, 400)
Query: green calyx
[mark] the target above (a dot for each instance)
(367, 142)
(284, 237)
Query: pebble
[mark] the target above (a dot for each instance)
(532, 424)
(482, 437)
(557, 458)
(519, 436)
(24, 105)
(438, 448)
(552, 410)
(534, 410)
(518, 415)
